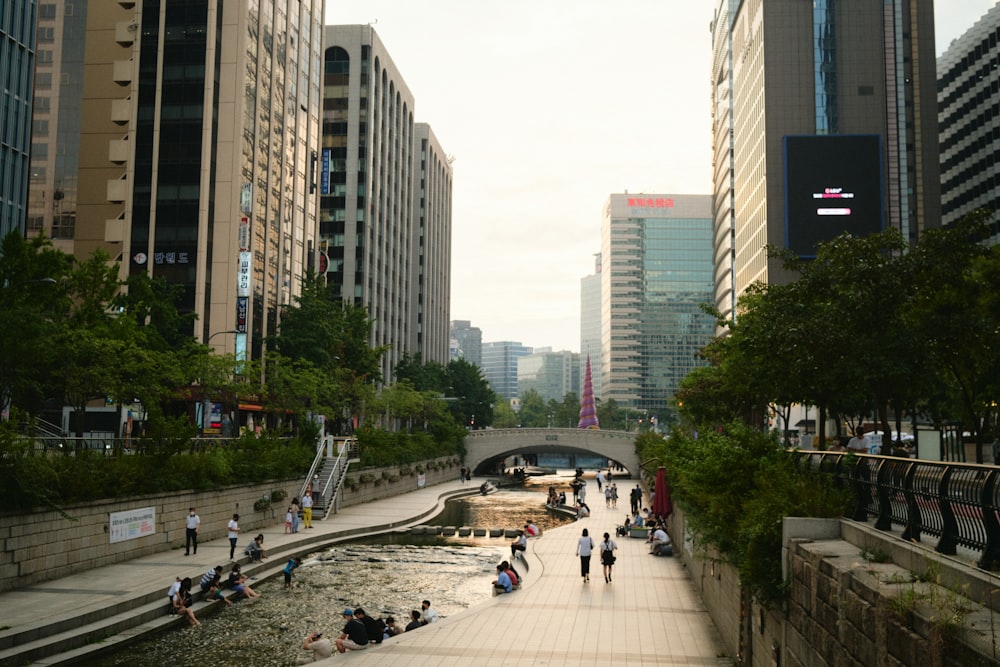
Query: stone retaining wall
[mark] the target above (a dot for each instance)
(844, 609)
(38, 546)
(44, 545)
(445, 469)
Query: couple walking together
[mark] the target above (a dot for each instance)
(585, 547)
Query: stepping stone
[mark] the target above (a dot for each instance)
(464, 531)
(479, 532)
(419, 530)
(448, 530)
(496, 532)
(510, 532)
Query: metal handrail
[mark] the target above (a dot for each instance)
(957, 503)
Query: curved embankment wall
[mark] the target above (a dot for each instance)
(43, 545)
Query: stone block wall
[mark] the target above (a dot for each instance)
(42, 545)
(445, 469)
(844, 609)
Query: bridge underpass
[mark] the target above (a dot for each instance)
(485, 448)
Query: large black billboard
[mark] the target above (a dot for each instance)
(833, 184)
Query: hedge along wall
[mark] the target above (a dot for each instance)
(363, 485)
(44, 545)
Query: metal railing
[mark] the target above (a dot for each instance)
(959, 504)
(331, 469)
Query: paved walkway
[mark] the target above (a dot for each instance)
(650, 613)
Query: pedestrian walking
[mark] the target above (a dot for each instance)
(608, 547)
(584, 547)
(233, 531)
(192, 525)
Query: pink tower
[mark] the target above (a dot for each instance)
(588, 412)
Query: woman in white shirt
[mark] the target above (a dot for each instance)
(584, 547)
(607, 548)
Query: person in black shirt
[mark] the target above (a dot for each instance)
(354, 636)
(415, 621)
(374, 627)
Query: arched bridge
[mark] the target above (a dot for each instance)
(490, 445)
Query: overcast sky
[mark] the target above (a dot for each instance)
(549, 106)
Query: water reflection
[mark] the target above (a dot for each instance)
(387, 575)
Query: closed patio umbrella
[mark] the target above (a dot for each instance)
(662, 506)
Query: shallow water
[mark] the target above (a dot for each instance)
(387, 575)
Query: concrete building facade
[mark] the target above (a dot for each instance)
(466, 342)
(385, 207)
(784, 68)
(969, 120)
(197, 153)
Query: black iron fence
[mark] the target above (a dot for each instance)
(958, 504)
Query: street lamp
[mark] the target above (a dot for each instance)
(230, 331)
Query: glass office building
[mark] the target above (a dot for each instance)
(656, 275)
(17, 59)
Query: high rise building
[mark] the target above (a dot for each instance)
(590, 325)
(56, 115)
(385, 186)
(722, 157)
(468, 342)
(17, 61)
(969, 118)
(837, 99)
(500, 366)
(431, 247)
(656, 274)
(551, 374)
(197, 153)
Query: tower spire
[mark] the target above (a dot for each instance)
(588, 412)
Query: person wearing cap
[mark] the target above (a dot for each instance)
(319, 645)
(354, 637)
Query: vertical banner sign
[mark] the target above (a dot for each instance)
(131, 524)
(243, 280)
(244, 233)
(242, 303)
(324, 173)
(246, 198)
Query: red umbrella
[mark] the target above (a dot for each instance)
(661, 498)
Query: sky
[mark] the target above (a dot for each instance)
(548, 107)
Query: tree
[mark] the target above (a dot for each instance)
(534, 411)
(954, 310)
(34, 302)
(474, 400)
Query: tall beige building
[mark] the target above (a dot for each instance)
(788, 69)
(385, 205)
(200, 122)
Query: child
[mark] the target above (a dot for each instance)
(288, 521)
(293, 563)
(215, 590)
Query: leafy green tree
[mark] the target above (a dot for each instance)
(954, 310)
(424, 376)
(610, 415)
(565, 413)
(474, 400)
(34, 302)
(534, 411)
(504, 416)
